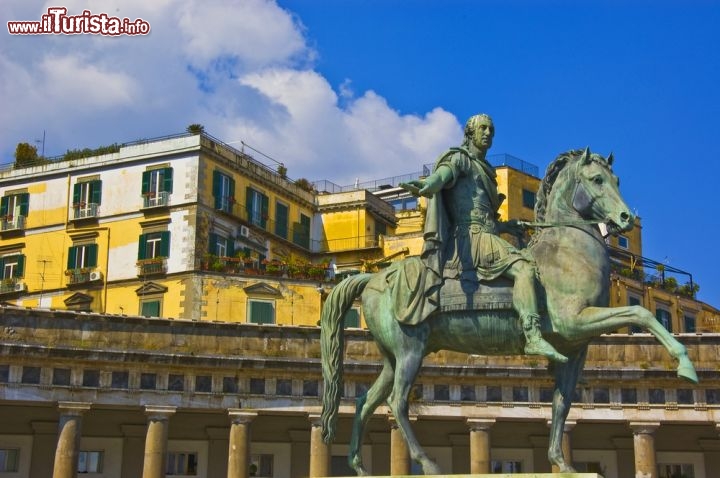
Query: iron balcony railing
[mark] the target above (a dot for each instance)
(84, 211)
(13, 223)
(159, 199)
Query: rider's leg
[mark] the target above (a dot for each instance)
(525, 303)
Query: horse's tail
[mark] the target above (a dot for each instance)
(332, 344)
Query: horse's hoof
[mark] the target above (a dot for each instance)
(686, 370)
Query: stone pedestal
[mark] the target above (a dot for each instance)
(480, 444)
(68, 444)
(156, 440)
(239, 447)
(644, 445)
(319, 451)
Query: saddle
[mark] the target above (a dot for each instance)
(467, 294)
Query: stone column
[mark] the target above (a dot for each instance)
(644, 444)
(566, 448)
(239, 447)
(319, 451)
(399, 453)
(156, 440)
(68, 443)
(480, 444)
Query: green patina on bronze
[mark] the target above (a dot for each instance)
(471, 291)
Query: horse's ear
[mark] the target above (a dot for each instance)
(586, 156)
(610, 159)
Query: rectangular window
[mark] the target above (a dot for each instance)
(663, 316)
(14, 209)
(90, 461)
(528, 199)
(301, 232)
(623, 242)
(13, 266)
(4, 373)
(712, 396)
(689, 323)
(520, 394)
(119, 380)
(352, 318)
(150, 308)
(203, 383)
(61, 376)
(82, 256)
(467, 393)
(230, 385)
(30, 375)
(601, 395)
(546, 395)
(9, 460)
(261, 466)
(685, 396)
(494, 394)
(223, 192)
(176, 382)
(182, 463)
(156, 187)
(628, 395)
(310, 388)
(283, 386)
(91, 378)
(154, 245)
(441, 392)
(261, 312)
(634, 329)
(257, 386)
(86, 198)
(258, 207)
(148, 381)
(221, 246)
(656, 396)
(281, 220)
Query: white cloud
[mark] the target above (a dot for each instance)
(242, 68)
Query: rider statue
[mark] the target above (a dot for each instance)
(462, 230)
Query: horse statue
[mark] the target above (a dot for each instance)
(578, 193)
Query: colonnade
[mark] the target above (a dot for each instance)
(156, 436)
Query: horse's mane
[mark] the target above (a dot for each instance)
(552, 173)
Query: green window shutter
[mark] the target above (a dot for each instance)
(231, 247)
(265, 208)
(261, 313)
(217, 185)
(145, 182)
(150, 308)
(142, 247)
(4, 204)
(96, 192)
(72, 257)
(249, 203)
(212, 243)
(232, 190)
(281, 220)
(76, 193)
(24, 204)
(92, 255)
(20, 270)
(165, 244)
(167, 180)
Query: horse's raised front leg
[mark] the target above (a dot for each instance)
(594, 321)
(364, 408)
(407, 367)
(566, 378)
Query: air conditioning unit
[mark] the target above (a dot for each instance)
(244, 231)
(95, 275)
(20, 287)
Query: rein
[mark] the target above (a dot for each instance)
(541, 225)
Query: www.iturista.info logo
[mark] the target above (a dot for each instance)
(58, 22)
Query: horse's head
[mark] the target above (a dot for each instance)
(582, 185)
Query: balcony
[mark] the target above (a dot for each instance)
(153, 266)
(12, 285)
(160, 199)
(82, 276)
(85, 210)
(13, 223)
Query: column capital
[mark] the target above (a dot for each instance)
(393, 421)
(717, 428)
(315, 419)
(480, 424)
(241, 416)
(567, 428)
(159, 412)
(74, 408)
(644, 428)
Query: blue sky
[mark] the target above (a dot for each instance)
(369, 89)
